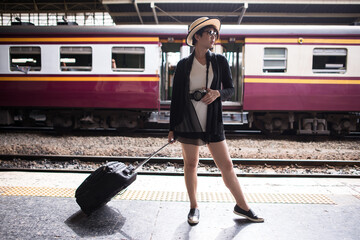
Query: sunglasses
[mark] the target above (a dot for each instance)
(212, 33)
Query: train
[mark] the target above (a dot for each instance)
(295, 78)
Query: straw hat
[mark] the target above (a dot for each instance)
(200, 23)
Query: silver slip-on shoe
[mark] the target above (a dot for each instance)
(247, 214)
(193, 216)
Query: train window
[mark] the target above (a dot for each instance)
(128, 59)
(75, 58)
(329, 60)
(275, 60)
(25, 59)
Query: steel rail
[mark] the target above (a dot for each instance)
(164, 160)
(207, 174)
(159, 131)
(231, 132)
(87, 158)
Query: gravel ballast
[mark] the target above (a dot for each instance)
(249, 147)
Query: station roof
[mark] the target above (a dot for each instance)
(315, 12)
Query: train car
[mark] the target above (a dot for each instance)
(70, 77)
(303, 78)
(300, 78)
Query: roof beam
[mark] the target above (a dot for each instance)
(35, 6)
(198, 14)
(238, 14)
(137, 11)
(248, 24)
(167, 14)
(152, 5)
(65, 6)
(243, 12)
(237, 1)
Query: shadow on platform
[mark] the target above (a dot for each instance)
(183, 230)
(233, 231)
(103, 222)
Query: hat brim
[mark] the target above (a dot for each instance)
(213, 21)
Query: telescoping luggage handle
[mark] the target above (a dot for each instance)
(146, 160)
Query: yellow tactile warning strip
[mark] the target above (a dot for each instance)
(37, 191)
(290, 198)
(227, 197)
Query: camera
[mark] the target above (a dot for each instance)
(198, 94)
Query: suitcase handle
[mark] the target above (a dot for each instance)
(146, 160)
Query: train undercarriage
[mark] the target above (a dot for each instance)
(71, 119)
(309, 123)
(312, 123)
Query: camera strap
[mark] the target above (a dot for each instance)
(207, 68)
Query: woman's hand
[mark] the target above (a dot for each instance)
(171, 138)
(210, 96)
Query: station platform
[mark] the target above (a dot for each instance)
(42, 206)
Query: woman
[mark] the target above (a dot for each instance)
(201, 81)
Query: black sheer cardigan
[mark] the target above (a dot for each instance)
(183, 118)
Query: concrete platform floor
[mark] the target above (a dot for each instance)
(36, 217)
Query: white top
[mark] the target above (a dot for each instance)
(197, 82)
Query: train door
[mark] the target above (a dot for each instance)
(169, 59)
(232, 109)
(171, 55)
(172, 52)
(233, 53)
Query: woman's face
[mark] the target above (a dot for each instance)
(207, 39)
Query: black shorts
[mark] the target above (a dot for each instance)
(198, 139)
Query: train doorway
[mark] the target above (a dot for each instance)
(234, 54)
(171, 55)
(173, 52)
(232, 108)
(169, 59)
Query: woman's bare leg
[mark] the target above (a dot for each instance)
(220, 153)
(191, 159)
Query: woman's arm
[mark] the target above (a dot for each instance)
(226, 79)
(176, 93)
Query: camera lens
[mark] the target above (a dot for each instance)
(197, 95)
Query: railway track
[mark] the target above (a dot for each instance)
(148, 131)
(153, 130)
(174, 166)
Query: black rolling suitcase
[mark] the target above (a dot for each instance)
(105, 182)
